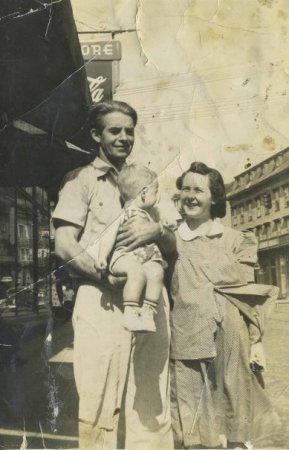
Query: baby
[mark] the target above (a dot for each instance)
(143, 267)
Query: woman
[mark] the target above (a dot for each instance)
(217, 395)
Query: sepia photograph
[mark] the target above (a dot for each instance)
(144, 224)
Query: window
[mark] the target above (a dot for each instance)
(264, 230)
(258, 207)
(22, 254)
(250, 212)
(279, 160)
(21, 231)
(242, 217)
(258, 232)
(274, 228)
(276, 205)
(283, 223)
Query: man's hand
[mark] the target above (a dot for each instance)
(137, 232)
(107, 278)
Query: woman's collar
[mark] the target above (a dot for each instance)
(210, 229)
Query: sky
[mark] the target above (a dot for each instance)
(209, 78)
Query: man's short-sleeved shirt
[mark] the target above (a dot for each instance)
(89, 198)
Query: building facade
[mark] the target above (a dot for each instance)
(259, 201)
(24, 248)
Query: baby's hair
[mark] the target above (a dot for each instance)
(132, 179)
(216, 184)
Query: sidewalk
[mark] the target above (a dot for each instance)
(276, 342)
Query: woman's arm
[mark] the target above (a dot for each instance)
(245, 251)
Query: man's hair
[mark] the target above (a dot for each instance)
(100, 110)
(132, 179)
(216, 185)
(94, 120)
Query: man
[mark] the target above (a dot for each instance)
(108, 361)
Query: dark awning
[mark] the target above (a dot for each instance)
(43, 83)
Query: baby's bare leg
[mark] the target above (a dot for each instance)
(129, 266)
(154, 285)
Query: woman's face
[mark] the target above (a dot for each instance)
(196, 198)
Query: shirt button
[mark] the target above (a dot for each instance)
(100, 204)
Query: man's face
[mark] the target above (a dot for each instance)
(117, 137)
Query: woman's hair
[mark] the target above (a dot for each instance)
(132, 179)
(100, 110)
(216, 185)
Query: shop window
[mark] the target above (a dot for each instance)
(7, 249)
(43, 259)
(24, 248)
(25, 268)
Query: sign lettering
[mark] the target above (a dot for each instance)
(103, 50)
(97, 92)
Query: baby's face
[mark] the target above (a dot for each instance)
(151, 195)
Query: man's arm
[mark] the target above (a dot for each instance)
(107, 243)
(137, 232)
(69, 251)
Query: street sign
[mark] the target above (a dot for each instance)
(102, 51)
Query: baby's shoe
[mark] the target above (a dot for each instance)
(132, 320)
(147, 318)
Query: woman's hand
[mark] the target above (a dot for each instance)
(137, 232)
